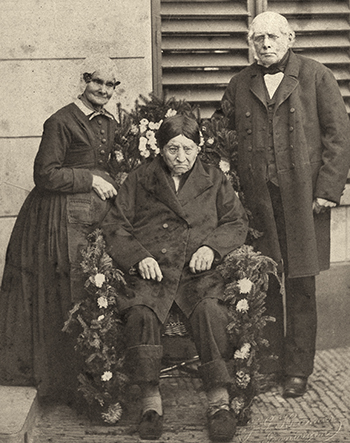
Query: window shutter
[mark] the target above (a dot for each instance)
(322, 33)
(203, 43)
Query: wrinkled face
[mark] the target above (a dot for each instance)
(99, 89)
(179, 154)
(269, 43)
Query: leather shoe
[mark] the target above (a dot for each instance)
(294, 387)
(151, 426)
(222, 425)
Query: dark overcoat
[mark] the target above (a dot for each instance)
(311, 136)
(151, 220)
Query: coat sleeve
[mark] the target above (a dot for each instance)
(49, 173)
(335, 138)
(117, 227)
(228, 103)
(232, 228)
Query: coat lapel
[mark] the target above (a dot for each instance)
(197, 182)
(287, 86)
(157, 183)
(290, 80)
(257, 86)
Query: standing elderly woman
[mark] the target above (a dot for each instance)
(41, 277)
(175, 220)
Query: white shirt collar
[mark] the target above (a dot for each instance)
(90, 112)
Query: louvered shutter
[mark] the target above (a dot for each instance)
(203, 43)
(322, 33)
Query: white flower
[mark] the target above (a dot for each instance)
(242, 305)
(150, 135)
(113, 414)
(107, 375)
(243, 353)
(100, 317)
(134, 130)
(157, 125)
(153, 144)
(102, 302)
(245, 285)
(153, 126)
(119, 156)
(237, 404)
(224, 165)
(98, 280)
(142, 144)
(170, 113)
(210, 141)
(145, 153)
(242, 379)
(144, 122)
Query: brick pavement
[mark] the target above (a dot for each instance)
(322, 415)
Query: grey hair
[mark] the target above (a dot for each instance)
(285, 27)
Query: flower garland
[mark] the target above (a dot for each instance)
(245, 271)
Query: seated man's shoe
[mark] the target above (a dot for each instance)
(222, 425)
(151, 426)
(294, 387)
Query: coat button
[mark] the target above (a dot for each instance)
(249, 148)
(164, 251)
(165, 225)
(103, 140)
(99, 121)
(291, 128)
(102, 131)
(292, 110)
(249, 131)
(248, 114)
(102, 152)
(100, 162)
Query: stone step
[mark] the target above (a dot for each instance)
(18, 410)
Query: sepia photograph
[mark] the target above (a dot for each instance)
(175, 221)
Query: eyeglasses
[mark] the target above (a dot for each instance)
(261, 38)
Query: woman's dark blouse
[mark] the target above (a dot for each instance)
(42, 275)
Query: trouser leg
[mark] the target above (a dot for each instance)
(301, 326)
(301, 316)
(271, 357)
(144, 351)
(208, 324)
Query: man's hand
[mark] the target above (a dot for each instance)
(202, 259)
(149, 269)
(321, 205)
(103, 188)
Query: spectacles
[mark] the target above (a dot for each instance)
(261, 38)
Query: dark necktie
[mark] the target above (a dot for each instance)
(272, 69)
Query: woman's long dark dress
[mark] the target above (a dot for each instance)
(42, 276)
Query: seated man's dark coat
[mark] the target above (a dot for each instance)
(151, 220)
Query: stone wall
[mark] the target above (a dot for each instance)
(42, 45)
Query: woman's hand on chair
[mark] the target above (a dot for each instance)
(103, 188)
(150, 270)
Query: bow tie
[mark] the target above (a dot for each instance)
(272, 69)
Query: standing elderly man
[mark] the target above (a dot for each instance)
(293, 160)
(175, 220)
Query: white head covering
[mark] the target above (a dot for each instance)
(97, 62)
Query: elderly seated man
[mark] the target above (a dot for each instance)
(174, 220)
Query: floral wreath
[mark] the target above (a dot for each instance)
(103, 382)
